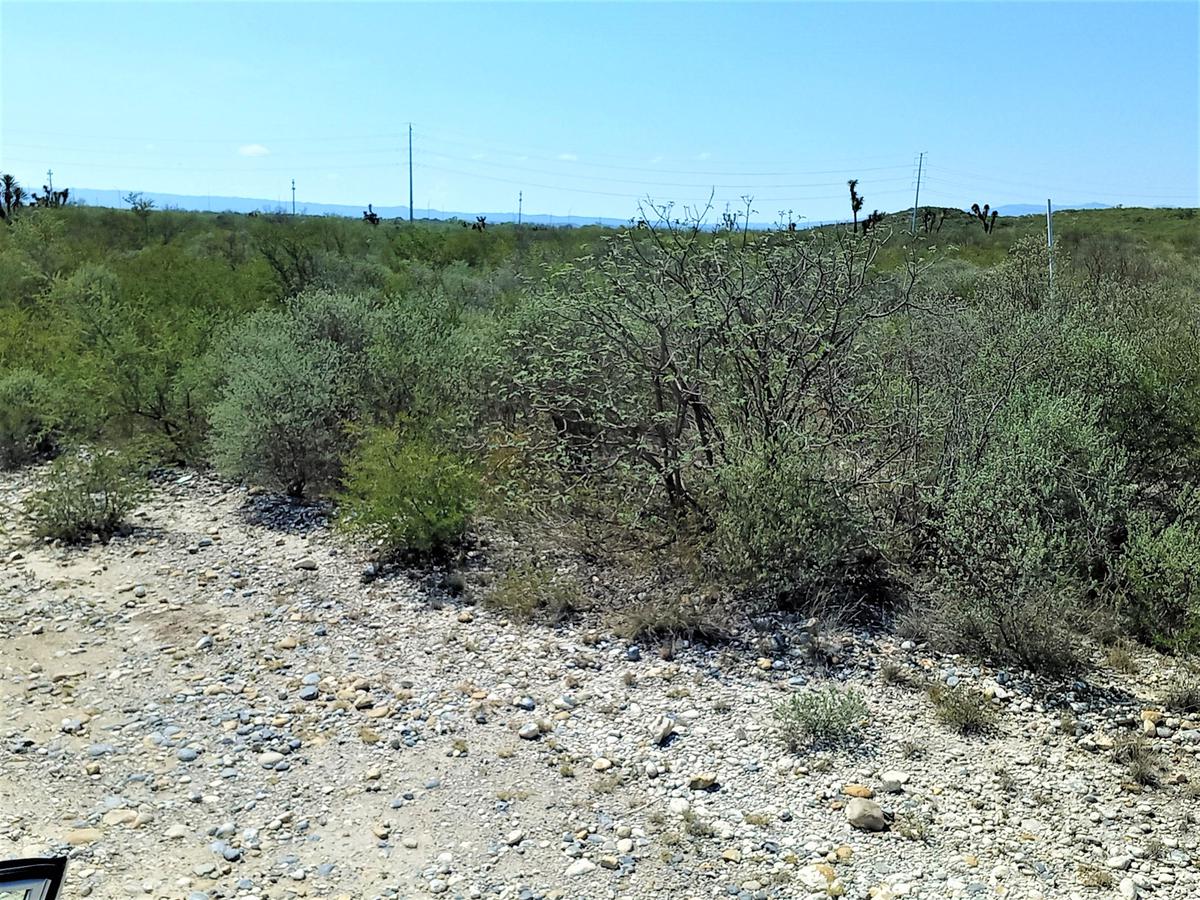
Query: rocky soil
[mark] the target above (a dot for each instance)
(219, 706)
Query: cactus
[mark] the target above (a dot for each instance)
(856, 202)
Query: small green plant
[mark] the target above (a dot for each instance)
(913, 826)
(1140, 759)
(821, 718)
(86, 493)
(962, 708)
(406, 494)
(527, 591)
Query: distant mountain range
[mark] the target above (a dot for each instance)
(96, 197)
(113, 198)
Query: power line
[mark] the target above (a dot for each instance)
(560, 160)
(656, 183)
(472, 140)
(917, 197)
(699, 187)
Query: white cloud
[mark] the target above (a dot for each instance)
(253, 150)
(568, 157)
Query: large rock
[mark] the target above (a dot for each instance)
(866, 815)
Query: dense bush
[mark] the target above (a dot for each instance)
(673, 354)
(86, 493)
(1026, 529)
(405, 494)
(292, 381)
(1161, 567)
(783, 523)
(29, 417)
(809, 417)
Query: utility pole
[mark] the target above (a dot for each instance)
(50, 178)
(520, 202)
(1050, 245)
(293, 196)
(410, 190)
(917, 199)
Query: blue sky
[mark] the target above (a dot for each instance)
(588, 108)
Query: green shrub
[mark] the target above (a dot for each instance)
(1022, 531)
(86, 493)
(783, 525)
(821, 718)
(406, 494)
(1162, 573)
(29, 417)
(962, 708)
(292, 382)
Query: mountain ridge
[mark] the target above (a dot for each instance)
(201, 203)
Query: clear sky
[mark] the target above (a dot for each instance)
(588, 107)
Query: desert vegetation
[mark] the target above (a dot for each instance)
(920, 428)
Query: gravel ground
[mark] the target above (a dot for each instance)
(219, 706)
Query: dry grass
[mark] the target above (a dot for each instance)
(1183, 696)
(1120, 657)
(669, 621)
(962, 708)
(1140, 759)
(1092, 875)
(526, 592)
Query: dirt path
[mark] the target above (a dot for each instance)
(215, 708)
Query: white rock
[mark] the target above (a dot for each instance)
(865, 814)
